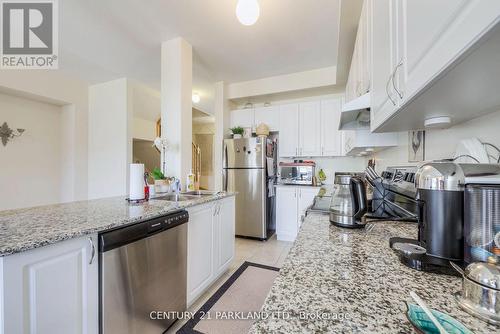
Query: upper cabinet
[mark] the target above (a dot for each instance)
(309, 129)
(331, 137)
(433, 58)
(288, 144)
(269, 116)
(242, 117)
(359, 79)
(384, 58)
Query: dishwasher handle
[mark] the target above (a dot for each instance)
(125, 235)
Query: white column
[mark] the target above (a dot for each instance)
(221, 107)
(176, 105)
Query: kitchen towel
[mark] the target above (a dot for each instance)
(136, 182)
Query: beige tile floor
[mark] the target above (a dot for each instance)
(271, 253)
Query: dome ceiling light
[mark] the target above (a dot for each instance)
(247, 12)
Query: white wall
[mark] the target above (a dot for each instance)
(143, 129)
(441, 144)
(57, 88)
(31, 165)
(110, 139)
(283, 83)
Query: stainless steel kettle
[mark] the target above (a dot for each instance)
(349, 202)
(480, 295)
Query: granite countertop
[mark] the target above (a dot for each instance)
(334, 272)
(29, 228)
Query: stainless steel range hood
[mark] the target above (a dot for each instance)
(356, 113)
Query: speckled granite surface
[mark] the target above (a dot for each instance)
(334, 271)
(29, 228)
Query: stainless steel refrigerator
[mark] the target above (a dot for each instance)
(250, 171)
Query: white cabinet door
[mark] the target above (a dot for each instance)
(309, 129)
(384, 58)
(200, 250)
(52, 289)
(289, 130)
(286, 213)
(433, 33)
(306, 198)
(331, 137)
(358, 81)
(226, 219)
(242, 117)
(269, 116)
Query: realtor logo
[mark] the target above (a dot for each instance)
(29, 37)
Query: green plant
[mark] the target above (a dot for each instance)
(157, 174)
(237, 130)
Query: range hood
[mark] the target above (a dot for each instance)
(356, 113)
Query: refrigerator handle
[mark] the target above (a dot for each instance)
(224, 181)
(224, 153)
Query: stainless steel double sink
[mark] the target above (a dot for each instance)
(185, 196)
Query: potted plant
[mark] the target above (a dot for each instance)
(237, 132)
(161, 183)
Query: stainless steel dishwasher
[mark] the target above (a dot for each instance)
(142, 269)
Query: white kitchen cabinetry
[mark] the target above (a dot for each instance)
(210, 244)
(52, 289)
(358, 141)
(291, 204)
(269, 116)
(289, 130)
(310, 129)
(242, 117)
(306, 198)
(415, 43)
(331, 136)
(359, 79)
(225, 225)
(384, 57)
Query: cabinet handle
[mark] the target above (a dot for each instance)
(295, 194)
(218, 209)
(92, 247)
(400, 94)
(387, 90)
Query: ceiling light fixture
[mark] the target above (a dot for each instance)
(247, 12)
(196, 98)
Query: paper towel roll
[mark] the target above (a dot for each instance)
(136, 182)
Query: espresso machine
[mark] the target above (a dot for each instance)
(449, 220)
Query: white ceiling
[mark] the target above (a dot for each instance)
(105, 39)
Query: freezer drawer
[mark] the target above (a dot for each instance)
(250, 186)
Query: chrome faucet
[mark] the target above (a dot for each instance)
(177, 185)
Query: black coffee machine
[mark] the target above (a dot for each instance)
(440, 229)
(440, 193)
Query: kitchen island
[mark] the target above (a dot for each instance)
(52, 258)
(338, 280)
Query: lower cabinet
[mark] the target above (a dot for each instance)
(52, 289)
(210, 244)
(291, 205)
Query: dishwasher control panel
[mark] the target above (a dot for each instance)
(123, 235)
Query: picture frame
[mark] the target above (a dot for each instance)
(416, 146)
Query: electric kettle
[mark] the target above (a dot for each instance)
(349, 203)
